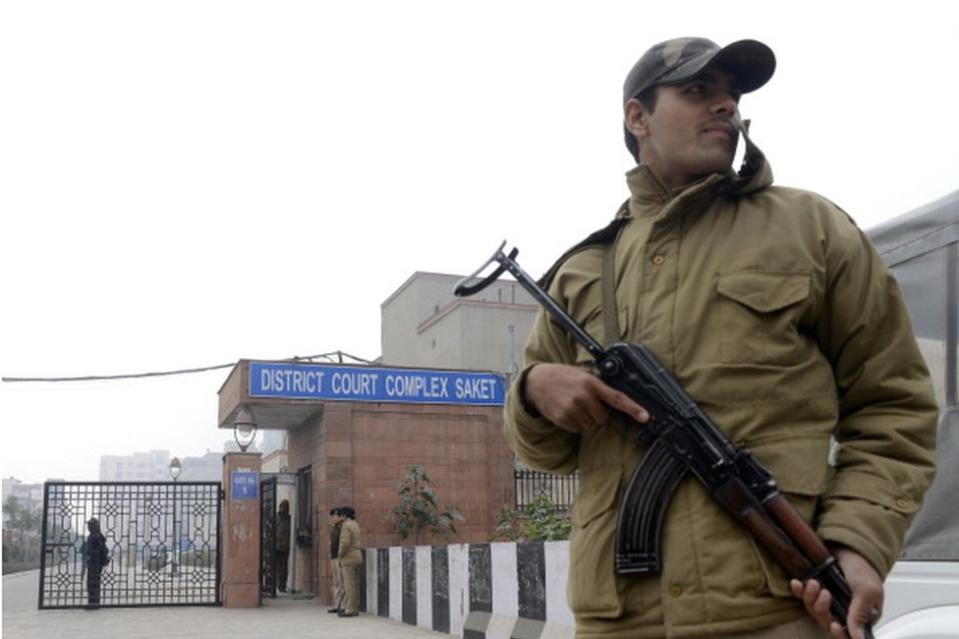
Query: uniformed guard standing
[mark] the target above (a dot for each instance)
(350, 558)
(336, 521)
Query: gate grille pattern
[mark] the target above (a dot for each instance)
(268, 537)
(163, 539)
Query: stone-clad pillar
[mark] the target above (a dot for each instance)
(241, 530)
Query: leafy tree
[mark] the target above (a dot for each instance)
(11, 511)
(540, 521)
(419, 509)
(21, 539)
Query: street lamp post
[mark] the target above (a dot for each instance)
(244, 428)
(175, 469)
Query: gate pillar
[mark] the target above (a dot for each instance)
(241, 530)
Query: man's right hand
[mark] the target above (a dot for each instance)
(574, 399)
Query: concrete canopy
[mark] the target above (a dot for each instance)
(269, 413)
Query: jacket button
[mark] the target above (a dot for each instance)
(675, 591)
(658, 260)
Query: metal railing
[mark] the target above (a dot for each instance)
(559, 489)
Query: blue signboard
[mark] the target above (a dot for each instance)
(244, 484)
(369, 384)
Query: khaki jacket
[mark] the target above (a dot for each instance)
(777, 316)
(349, 552)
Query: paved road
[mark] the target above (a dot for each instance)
(282, 617)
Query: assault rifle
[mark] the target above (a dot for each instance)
(680, 438)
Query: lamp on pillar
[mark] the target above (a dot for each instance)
(244, 428)
(175, 468)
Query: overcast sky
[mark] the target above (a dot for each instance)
(185, 183)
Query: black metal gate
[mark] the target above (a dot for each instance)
(268, 537)
(163, 540)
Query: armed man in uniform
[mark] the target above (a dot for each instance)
(775, 313)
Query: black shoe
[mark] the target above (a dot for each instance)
(332, 610)
(347, 614)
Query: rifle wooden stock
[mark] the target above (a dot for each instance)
(736, 498)
(784, 514)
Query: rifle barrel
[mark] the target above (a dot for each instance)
(559, 314)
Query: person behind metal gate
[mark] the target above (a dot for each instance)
(95, 557)
(336, 522)
(776, 314)
(282, 544)
(349, 557)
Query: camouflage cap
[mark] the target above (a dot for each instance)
(750, 62)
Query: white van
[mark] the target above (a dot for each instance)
(922, 591)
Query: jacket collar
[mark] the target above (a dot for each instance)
(649, 195)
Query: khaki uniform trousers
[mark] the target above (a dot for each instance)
(802, 628)
(351, 587)
(337, 583)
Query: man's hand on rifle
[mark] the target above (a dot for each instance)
(574, 399)
(867, 596)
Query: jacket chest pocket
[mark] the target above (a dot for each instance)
(759, 315)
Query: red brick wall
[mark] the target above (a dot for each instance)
(304, 445)
(359, 451)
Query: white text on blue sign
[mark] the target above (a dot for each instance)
(347, 383)
(244, 484)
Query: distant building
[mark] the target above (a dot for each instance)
(148, 466)
(273, 441)
(155, 466)
(230, 446)
(423, 324)
(276, 460)
(28, 496)
(207, 467)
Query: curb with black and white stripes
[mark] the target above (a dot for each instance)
(475, 591)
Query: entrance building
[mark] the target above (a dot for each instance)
(352, 430)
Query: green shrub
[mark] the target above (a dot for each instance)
(540, 521)
(419, 511)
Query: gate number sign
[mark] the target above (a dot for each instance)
(243, 484)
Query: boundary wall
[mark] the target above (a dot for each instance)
(476, 591)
